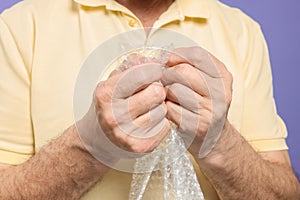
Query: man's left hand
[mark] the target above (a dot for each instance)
(199, 92)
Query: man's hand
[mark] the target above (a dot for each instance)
(131, 110)
(128, 115)
(198, 104)
(199, 89)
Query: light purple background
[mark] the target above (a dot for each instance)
(280, 22)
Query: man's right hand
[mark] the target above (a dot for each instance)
(131, 110)
(127, 116)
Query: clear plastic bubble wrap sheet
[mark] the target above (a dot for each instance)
(168, 170)
(169, 167)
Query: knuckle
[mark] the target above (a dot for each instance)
(109, 119)
(228, 98)
(203, 126)
(183, 69)
(167, 127)
(208, 118)
(164, 109)
(102, 92)
(229, 90)
(230, 76)
(198, 51)
(174, 87)
(133, 106)
(137, 147)
(158, 92)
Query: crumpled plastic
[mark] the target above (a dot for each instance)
(168, 170)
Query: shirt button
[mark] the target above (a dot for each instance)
(132, 22)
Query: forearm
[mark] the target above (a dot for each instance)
(63, 169)
(238, 172)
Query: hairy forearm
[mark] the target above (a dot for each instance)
(63, 169)
(238, 172)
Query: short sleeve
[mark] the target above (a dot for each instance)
(261, 126)
(16, 134)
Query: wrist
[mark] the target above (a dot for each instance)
(75, 144)
(222, 150)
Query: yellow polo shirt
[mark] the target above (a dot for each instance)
(44, 42)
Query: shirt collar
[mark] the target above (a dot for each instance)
(189, 8)
(92, 3)
(195, 8)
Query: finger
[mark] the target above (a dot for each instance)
(129, 109)
(145, 145)
(148, 98)
(199, 58)
(187, 75)
(218, 77)
(187, 121)
(163, 127)
(217, 89)
(151, 118)
(187, 98)
(123, 85)
(143, 126)
(135, 78)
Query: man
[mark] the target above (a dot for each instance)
(43, 44)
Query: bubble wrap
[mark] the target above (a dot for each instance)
(168, 170)
(169, 166)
